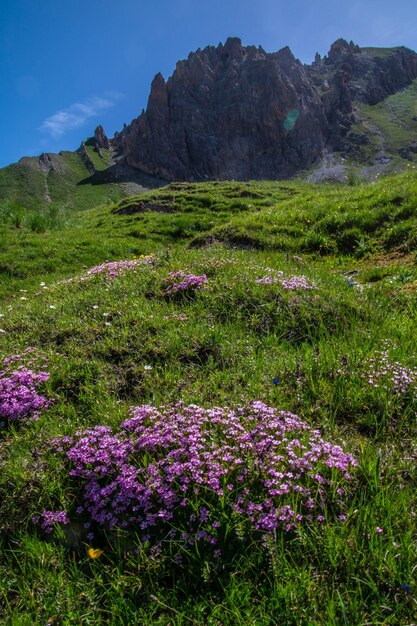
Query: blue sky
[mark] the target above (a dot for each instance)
(68, 65)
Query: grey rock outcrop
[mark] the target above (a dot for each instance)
(100, 138)
(229, 112)
(351, 74)
(82, 150)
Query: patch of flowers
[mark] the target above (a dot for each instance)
(270, 279)
(391, 375)
(111, 269)
(181, 282)
(297, 282)
(192, 474)
(48, 519)
(19, 387)
(291, 283)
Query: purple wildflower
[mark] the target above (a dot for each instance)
(297, 282)
(251, 462)
(19, 395)
(110, 269)
(113, 268)
(291, 283)
(48, 519)
(181, 282)
(391, 375)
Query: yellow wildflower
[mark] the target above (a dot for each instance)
(94, 553)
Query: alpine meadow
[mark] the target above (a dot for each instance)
(208, 378)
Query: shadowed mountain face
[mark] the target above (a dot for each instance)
(229, 112)
(239, 112)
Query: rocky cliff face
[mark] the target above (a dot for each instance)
(351, 74)
(370, 74)
(229, 112)
(239, 112)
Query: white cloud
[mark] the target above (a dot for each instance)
(77, 114)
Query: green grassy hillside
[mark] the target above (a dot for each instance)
(212, 509)
(334, 224)
(389, 127)
(26, 185)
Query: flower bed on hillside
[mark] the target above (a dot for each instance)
(291, 283)
(196, 475)
(20, 379)
(111, 269)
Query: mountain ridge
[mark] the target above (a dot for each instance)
(236, 112)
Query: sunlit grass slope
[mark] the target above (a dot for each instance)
(299, 297)
(26, 186)
(390, 126)
(338, 224)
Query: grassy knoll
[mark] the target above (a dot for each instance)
(300, 297)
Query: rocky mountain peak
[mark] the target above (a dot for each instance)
(229, 112)
(158, 94)
(369, 74)
(235, 111)
(100, 138)
(340, 48)
(233, 47)
(239, 112)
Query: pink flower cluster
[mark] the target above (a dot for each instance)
(181, 282)
(390, 375)
(117, 268)
(48, 519)
(290, 283)
(297, 282)
(193, 469)
(268, 280)
(110, 269)
(19, 396)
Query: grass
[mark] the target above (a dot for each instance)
(26, 185)
(395, 116)
(113, 344)
(338, 224)
(380, 52)
(390, 124)
(100, 161)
